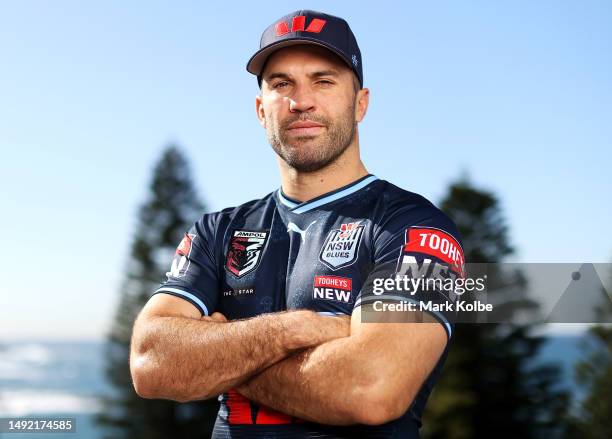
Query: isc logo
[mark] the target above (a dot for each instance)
(298, 23)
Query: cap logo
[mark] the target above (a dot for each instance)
(298, 23)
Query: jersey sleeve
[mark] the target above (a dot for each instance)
(193, 273)
(417, 258)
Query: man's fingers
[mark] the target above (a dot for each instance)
(218, 317)
(215, 317)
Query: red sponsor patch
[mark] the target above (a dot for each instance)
(436, 243)
(342, 283)
(185, 246)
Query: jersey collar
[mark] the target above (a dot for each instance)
(297, 207)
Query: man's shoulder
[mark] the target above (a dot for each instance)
(252, 206)
(224, 216)
(404, 207)
(395, 199)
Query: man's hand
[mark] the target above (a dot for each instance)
(317, 329)
(215, 317)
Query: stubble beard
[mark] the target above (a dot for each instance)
(312, 153)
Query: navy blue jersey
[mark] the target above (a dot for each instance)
(276, 254)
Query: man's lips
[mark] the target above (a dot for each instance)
(304, 128)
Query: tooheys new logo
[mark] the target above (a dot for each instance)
(244, 251)
(180, 263)
(341, 245)
(332, 288)
(445, 254)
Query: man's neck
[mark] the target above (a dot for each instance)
(304, 186)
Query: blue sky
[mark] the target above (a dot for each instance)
(518, 94)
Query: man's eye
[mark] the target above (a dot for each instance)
(280, 84)
(324, 82)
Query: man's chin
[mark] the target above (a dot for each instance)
(306, 167)
(300, 141)
(305, 164)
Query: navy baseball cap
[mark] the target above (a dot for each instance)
(308, 27)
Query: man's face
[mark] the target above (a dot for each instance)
(307, 105)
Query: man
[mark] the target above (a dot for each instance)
(257, 302)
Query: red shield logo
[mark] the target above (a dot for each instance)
(244, 251)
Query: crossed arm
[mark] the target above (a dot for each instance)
(317, 368)
(370, 377)
(177, 354)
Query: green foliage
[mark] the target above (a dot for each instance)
(594, 375)
(171, 208)
(490, 386)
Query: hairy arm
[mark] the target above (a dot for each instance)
(370, 377)
(178, 355)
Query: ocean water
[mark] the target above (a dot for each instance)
(53, 379)
(41, 378)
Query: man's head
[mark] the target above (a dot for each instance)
(311, 96)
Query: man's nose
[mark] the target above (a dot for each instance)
(302, 99)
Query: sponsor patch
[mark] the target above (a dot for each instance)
(244, 251)
(332, 288)
(180, 263)
(236, 292)
(435, 243)
(341, 245)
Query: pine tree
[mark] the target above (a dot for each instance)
(171, 208)
(594, 375)
(490, 386)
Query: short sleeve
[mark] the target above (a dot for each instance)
(417, 258)
(193, 272)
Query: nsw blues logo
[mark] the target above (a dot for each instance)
(341, 245)
(244, 251)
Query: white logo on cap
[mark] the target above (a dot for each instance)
(355, 62)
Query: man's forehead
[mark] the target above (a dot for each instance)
(303, 58)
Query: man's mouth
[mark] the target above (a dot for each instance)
(304, 128)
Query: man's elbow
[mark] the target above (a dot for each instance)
(142, 377)
(146, 381)
(381, 403)
(149, 383)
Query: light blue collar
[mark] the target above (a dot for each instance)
(327, 198)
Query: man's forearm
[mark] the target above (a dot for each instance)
(316, 384)
(187, 359)
(370, 377)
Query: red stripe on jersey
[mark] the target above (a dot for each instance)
(266, 415)
(239, 408)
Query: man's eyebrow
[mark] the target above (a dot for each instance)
(329, 72)
(275, 75)
(317, 74)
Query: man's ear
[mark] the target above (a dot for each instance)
(363, 100)
(260, 110)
